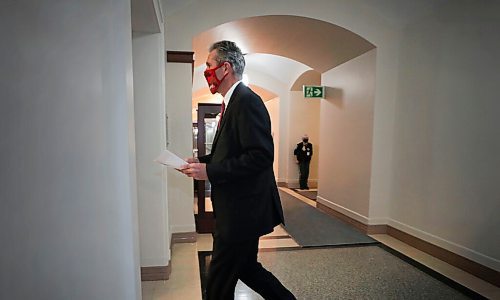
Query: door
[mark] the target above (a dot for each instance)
(208, 117)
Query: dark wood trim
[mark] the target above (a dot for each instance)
(330, 211)
(282, 184)
(183, 237)
(281, 249)
(180, 57)
(377, 229)
(156, 273)
(368, 229)
(205, 220)
(275, 237)
(469, 266)
(205, 223)
(186, 57)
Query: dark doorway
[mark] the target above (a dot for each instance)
(206, 129)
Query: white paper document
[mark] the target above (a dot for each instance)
(170, 159)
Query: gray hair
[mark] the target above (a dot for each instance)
(228, 51)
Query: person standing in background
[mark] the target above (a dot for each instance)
(245, 197)
(303, 154)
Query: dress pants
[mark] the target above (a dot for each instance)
(238, 260)
(304, 174)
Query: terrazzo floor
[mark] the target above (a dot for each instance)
(348, 273)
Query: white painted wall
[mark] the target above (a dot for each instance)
(447, 140)
(303, 117)
(280, 122)
(284, 141)
(149, 96)
(180, 141)
(273, 107)
(68, 222)
(346, 136)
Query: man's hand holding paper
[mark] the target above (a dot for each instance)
(170, 160)
(195, 169)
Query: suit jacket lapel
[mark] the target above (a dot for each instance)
(234, 98)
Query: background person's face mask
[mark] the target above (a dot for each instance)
(212, 80)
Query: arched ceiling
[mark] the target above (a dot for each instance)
(283, 47)
(317, 44)
(397, 12)
(282, 69)
(278, 71)
(310, 77)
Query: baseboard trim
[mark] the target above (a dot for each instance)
(275, 237)
(469, 266)
(294, 183)
(156, 273)
(183, 237)
(481, 271)
(377, 229)
(345, 211)
(332, 212)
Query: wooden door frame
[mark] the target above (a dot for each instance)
(205, 221)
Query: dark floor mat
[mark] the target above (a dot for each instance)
(310, 227)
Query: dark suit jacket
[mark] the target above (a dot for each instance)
(302, 155)
(240, 169)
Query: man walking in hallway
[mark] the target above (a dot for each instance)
(245, 197)
(303, 153)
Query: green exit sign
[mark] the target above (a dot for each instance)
(313, 91)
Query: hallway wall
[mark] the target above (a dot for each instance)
(149, 99)
(303, 117)
(180, 141)
(68, 222)
(346, 131)
(273, 107)
(447, 161)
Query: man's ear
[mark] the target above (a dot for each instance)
(228, 66)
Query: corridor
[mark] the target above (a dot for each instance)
(406, 145)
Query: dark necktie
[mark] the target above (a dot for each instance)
(223, 107)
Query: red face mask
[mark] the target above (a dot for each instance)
(212, 80)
